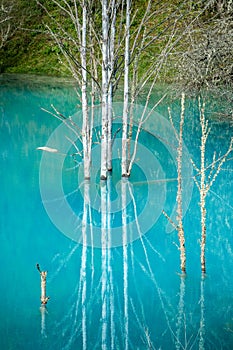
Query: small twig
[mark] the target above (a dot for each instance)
(170, 220)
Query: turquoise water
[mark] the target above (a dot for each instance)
(121, 298)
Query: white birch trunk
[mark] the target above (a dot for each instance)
(43, 286)
(124, 164)
(104, 137)
(43, 312)
(110, 78)
(179, 191)
(44, 299)
(85, 126)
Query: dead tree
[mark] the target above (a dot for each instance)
(43, 275)
(206, 63)
(206, 176)
(179, 224)
(113, 44)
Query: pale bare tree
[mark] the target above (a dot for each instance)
(206, 62)
(88, 43)
(178, 225)
(9, 23)
(206, 176)
(126, 90)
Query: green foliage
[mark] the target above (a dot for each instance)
(31, 49)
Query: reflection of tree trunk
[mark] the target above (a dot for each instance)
(110, 273)
(107, 294)
(180, 317)
(105, 28)
(202, 313)
(43, 312)
(203, 234)
(86, 202)
(104, 248)
(124, 185)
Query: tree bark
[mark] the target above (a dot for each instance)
(124, 164)
(111, 84)
(203, 188)
(179, 191)
(85, 126)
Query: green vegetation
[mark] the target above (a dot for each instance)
(30, 48)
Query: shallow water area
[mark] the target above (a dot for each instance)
(130, 296)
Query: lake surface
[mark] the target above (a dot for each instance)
(122, 289)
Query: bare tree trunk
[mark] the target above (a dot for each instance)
(43, 312)
(202, 313)
(86, 204)
(110, 78)
(105, 62)
(124, 165)
(86, 126)
(110, 264)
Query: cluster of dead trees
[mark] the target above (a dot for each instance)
(102, 47)
(204, 60)
(204, 178)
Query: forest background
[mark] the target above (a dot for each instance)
(201, 56)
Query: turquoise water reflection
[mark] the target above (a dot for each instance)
(100, 302)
